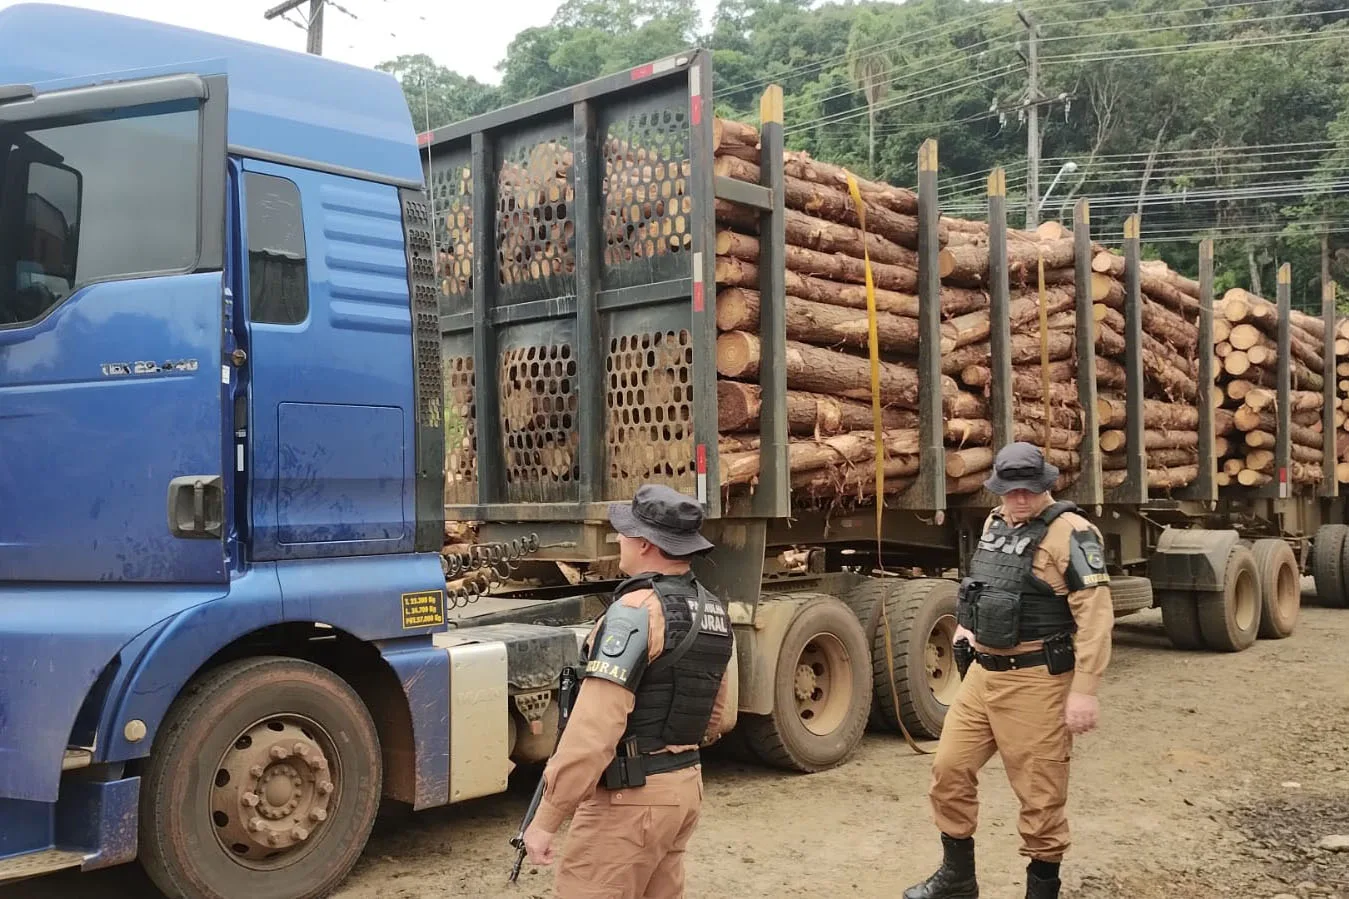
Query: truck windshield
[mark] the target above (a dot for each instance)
(96, 200)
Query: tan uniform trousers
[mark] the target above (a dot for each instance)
(1020, 715)
(629, 844)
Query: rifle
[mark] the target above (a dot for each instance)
(566, 694)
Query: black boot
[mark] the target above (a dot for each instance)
(955, 878)
(1044, 882)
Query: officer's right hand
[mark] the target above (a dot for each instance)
(539, 845)
(963, 633)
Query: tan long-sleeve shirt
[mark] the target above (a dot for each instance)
(598, 719)
(1092, 609)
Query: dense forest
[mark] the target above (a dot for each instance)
(1214, 119)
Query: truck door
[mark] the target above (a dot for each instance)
(112, 440)
(330, 365)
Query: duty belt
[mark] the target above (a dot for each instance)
(993, 662)
(626, 771)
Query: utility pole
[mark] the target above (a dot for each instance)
(315, 29)
(1033, 100)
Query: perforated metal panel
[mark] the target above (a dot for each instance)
(452, 193)
(650, 411)
(538, 421)
(461, 442)
(534, 234)
(647, 191)
(429, 389)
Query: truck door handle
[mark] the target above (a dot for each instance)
(196, 506)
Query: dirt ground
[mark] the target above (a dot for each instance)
(1210, 776)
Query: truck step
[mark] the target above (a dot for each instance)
(33, 864)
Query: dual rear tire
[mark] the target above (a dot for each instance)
(1259, 597)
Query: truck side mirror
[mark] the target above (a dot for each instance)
(49, 237)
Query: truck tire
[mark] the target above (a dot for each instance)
(866, 600)
(1230, 618)
(1328, 564)
(1180, 619)
(821, 691)
(922, 618)
(278, 739)
(1341, 600)
(1130, 594)
(1280, 588)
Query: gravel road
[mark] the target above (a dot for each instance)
(1210, 776)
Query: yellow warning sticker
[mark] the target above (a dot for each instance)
(426, 609)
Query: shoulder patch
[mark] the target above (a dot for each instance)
(621, 648)
(1086, 561)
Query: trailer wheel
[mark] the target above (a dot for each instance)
(922, 617)
(1130, 594)
(264, 782)
(1328, 564)
(1280, 588)
(1180, 618)
(821, 691)
(1230, 618)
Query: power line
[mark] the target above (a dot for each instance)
(904, 101)
(1211, 24)
(1144, 52)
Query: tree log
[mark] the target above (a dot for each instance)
(824, 371)
(969, 264)
(1157, 415)
(1114, 440)
(836, 266)
(739, 406)
(733, 272)
(828, 202)
(1025, 350)
(823, 324)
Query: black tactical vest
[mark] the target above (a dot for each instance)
(1003, 560)
(675, 696)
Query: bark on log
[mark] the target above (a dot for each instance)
(740, 405)
(824, 371)
(969, 264)
(1157, 415)
(827, 202)
(823, 324)
(1114, 440)
(809, 455)
(1025, 350)
(835, 266)
(733, 272)
(819, 234)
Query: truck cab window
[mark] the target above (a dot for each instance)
(278, 275)
(94, 201)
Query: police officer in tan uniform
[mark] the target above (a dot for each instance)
(1036, 611)
(654, 689)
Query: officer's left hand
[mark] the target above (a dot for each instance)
(1082, 712)
(539, 845)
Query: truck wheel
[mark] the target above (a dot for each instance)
(264, 782)
(866, 600)
(922, 617)
(821, 691)
(1130, 594)
(1280, 588)
(1230, 619)
(1180, 618)
(1328, 564)
(1340, 600)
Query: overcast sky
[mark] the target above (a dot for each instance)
(466, 35)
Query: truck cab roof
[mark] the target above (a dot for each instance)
(283, 105)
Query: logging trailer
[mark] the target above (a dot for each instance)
(239, 404)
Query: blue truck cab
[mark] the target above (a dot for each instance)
(223, 635)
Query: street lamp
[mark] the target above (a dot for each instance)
(1066, 169)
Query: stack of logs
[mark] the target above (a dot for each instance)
(1245, 333)
(831, 450)
(1342, 397)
